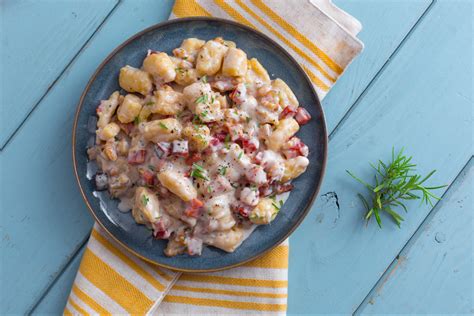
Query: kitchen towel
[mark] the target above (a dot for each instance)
(111, 280)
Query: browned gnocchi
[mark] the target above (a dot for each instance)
(200, 145)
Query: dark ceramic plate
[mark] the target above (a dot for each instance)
(165, 37)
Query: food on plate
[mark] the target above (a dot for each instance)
(200, 145)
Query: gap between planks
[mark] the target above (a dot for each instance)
(53, 83)
(331, 135)
(82, 244)
(380, 72)
(58, 275)
(391, 268)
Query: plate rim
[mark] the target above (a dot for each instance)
(143, 32)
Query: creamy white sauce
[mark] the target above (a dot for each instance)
(226, 181)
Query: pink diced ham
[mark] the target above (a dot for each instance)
(302, 116)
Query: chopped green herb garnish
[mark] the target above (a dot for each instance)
(247, 119)
(151, 167)
(136, 120)
(204, 79)
(222, 170)
(240, 155)
(196, 120)
(180, 70)
(226, 141)
(149, 103)
(212, 99)
(162, 125)
(145, 200)
(204, 113)
(201, 137)
(201, 99)
(209, 189)
(198, 172)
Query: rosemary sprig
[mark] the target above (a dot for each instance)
(394, 183)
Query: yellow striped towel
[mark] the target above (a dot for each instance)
(111, 280)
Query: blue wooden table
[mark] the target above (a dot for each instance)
(411, 87)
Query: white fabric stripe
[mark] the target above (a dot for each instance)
(284, 34)
(295, 55)
(72, 309)
(83, 305)
(230, 287)
(100, 297)
(158, 302)
(147, 268)
(227, 297)
(218, 12)
(167, 308)
(123, 269)
(137, 260)
(257, 273)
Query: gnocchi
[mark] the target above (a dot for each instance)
(129, 109)
(209, 58)
(160, 66)
(135, 80)
(201, 146)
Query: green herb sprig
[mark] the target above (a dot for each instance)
(145, 200)
(222, 170)
(162, 125)
(395, 183)
(198, 172)
(201, 99)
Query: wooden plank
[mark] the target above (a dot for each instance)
(39, 39)
(336, 259)
(433, 274)
(47, 220)
(56, 298)
(380, 43)
(385, 25)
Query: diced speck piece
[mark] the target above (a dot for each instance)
(180, 148)
(162, 149)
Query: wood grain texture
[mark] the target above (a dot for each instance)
(39, 38)
(43, 227)
(385, 26)
(433, 273)
(379, 45)
(334, 259)
(392, 38)
(56, 298)
(421, 101)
